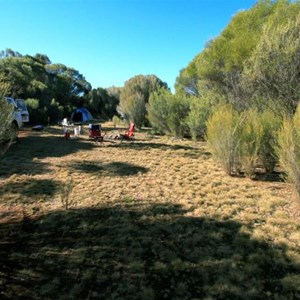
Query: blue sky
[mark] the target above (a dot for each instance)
(110, 41)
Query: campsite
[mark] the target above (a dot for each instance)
(86, 221)
(159, 153)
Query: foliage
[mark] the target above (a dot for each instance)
(272, 73)
(220, 64)
(158, 109)
(200, 110)
(177, 113)
(35, 77)
(135, 95)
(253, 62)
(167, 112)
(288, 149)
(116, 120)
(102, 103)
(224, 137)
(6, 118)
(252, 134)
(66, 192)
(270, 124)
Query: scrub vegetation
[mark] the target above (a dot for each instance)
(194, 208)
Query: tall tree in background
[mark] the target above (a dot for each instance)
(47, 88)
(102, 103)
(68, 84)
(134, 96)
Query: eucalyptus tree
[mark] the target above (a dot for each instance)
(49, 88)
(271, 75)
(220, 65)
(102, 103)
(68, 85)
(9, 53)
(135, 95)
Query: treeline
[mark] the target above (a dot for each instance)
(253, 63)
(52, 91)
(242, 92)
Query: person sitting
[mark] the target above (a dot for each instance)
(129, 134)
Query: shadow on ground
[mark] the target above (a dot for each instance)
(31, 190)
(139, 251)
(24, 155)
(108, 169)
(136, 145)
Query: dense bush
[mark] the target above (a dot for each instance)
(168, 112)
(135, 95)
(251, 140)
(198, 115)
(270, 124)
(242, 141)
(288, 149)
(6, 117)
(223, 137)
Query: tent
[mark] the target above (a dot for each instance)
(81, 115)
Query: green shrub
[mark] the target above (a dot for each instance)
(251, 140)
(158, 109)
(270, 124)
(168, 112)
(288, 149)
(6, 117)
(223, 137)
(7, 131)
(178, 111)
(198, 115)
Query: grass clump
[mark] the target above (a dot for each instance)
(66, 190)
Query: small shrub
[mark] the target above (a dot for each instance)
(223, 137)
(65, 192)
(251, 140)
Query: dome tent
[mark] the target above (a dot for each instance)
(81, 115)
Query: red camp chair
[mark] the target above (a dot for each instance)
(95, 133)
(129, 135)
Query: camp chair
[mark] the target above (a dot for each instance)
(128, 135)
(95, 133)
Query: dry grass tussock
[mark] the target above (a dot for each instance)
(151, 219)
